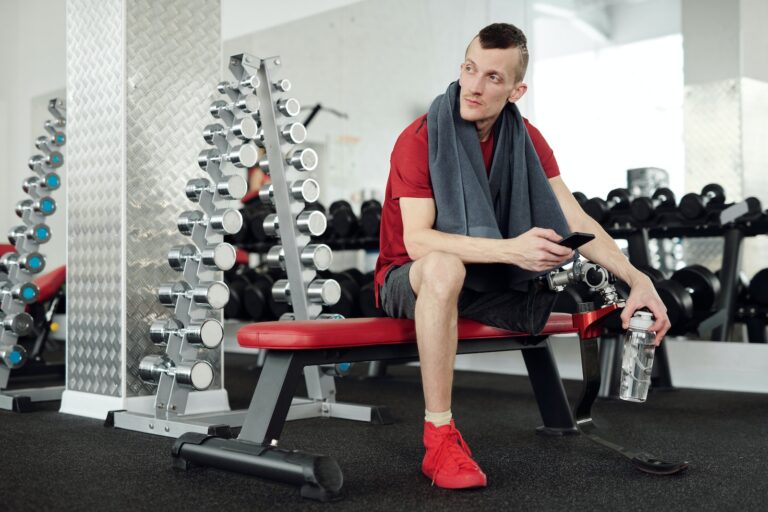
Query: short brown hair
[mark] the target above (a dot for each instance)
(502, 36)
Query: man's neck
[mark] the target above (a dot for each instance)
(484, 128)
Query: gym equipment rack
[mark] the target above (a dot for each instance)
(18, 268)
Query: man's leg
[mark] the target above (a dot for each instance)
(437, 280)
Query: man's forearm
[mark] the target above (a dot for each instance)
(468, 249)
(604, 251)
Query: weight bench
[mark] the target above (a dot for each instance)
(293, 345)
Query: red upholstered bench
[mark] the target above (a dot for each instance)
(362, 332)
(291, 346)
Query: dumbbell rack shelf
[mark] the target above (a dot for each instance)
(17, 269)
(257, 117)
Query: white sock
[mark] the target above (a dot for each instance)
(438, 419)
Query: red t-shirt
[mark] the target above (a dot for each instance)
(409, 177)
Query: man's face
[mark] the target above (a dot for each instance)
(488, 81)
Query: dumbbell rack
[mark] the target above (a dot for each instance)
(18, 268)
(254, 119)
(295, 225)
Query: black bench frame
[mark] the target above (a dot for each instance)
(255, 450)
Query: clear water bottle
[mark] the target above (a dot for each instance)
(637, 361)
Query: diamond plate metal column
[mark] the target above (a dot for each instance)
(139, 79)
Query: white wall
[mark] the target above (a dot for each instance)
(381, 63)
(33, 60)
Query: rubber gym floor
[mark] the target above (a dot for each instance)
(50, 461)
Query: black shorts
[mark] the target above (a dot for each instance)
(511, 310)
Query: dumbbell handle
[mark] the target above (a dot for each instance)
(209, 294)
(207, 333)
(197, 375)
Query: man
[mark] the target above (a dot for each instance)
(473, 211)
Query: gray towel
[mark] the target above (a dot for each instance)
(516, 197)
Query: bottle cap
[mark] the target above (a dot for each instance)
(641, 321)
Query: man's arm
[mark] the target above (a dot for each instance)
(534, 250)
(604, 251)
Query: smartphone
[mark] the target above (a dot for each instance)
(575, 240)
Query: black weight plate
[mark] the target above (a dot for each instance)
(701, 283)
(665, 196)
(654, 274)
(758, 288)
(678, 302)
(580, 198)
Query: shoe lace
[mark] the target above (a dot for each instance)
(453, 443)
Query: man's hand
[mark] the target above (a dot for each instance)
(536, 250)
(643, 295)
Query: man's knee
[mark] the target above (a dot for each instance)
(440, 274)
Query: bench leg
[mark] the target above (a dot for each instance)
(590, 366)
(548, 390)
(254, 452)
(272, 398)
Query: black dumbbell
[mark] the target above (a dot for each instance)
(249, 295)
(343, 221)
(753, 307)
(370, 218)
(644, 208)
(599, 209)
(568, 300)
(367, 299)
(580, 198)
(689, 295)
(695, 206)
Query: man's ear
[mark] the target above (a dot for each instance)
(517, 92)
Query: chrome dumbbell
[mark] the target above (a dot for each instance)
(13, 356)
(54, 126)
(245, 155)
(248, 104)
(44, 206)
(283, 85)
(197, 375)
(320, 291)
(302, 190)
(31, 263)
(323, 316)
(311, 223)
(209, 294)
(48, 183)
(250, 83)
(314, 256)
(53, 160)
(227, 221)
(289, 107)
(230, 187)
(208, 333)
(228, 88)
(46, 142)
(26, 293)
(302, 159)
(216, 257)
(19, 323)
(245, 129)
(294, 133)
(39, 233)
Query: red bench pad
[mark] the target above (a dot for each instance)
(50, 283)
(359, 332)
(4, 248)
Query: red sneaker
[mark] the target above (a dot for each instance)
(448, 461)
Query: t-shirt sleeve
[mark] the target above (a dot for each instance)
(409, 172)
(546, 155)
